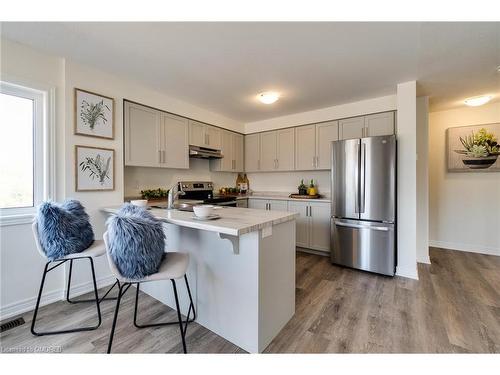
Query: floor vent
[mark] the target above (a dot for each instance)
(12, 324)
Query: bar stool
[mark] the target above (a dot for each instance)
(173, 266)
(97, 249)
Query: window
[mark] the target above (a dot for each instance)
(24, 145)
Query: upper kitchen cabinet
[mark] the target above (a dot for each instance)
(285, 150)
(305, 147)
(350, 128)
(142, 136)
(312, 145)
(277, 150)
(252, 152)
(175, 150)
(154, 138)
(379, 124)
(326, 133)
(367, 126)
(204, 135)
(232, 152)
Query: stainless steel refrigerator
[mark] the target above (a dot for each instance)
(363, 219)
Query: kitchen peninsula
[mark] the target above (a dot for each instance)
(243, 271)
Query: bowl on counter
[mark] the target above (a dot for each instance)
(203, 211)
(139, 202)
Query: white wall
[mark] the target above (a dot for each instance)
(363, 107)
(464, 207)
(406, 180)
(28, 66)
(423, 179)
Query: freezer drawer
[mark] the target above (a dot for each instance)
(363, 245)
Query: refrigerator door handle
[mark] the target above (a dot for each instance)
(349, 225)
(362, 179)
(356, 178)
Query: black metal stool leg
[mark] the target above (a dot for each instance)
(191, 306)
(179, 316)
(97, 302)
(35, 313)
(103, 298)
(136, 308)
(123, 289)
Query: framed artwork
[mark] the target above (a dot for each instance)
(94, 114)
(94, 168)
(473, 148)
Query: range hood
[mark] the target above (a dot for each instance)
(204, 153)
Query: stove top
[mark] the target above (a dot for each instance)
(200, 190)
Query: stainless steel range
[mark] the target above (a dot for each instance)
(203, 192)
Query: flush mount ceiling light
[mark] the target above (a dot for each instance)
(268, 97)
(478, 100)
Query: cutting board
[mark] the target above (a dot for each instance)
(302, 196)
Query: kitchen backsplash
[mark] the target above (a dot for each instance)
(140, 178)
(289, 181)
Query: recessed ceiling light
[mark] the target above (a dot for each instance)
(268, 97)
(478, 100)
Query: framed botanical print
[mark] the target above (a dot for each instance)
(94, 168)
(94, 114)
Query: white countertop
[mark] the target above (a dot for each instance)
(282, 196)
(234, 221)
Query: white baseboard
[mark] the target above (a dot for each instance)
(425, 259)
(28, 304)
(488, 250)
(408, 272)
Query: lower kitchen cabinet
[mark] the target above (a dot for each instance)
(242, 203)
(313, 224)
(268, 204)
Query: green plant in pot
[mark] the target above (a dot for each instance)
(480, 151)
(302, 188)
(154, 194)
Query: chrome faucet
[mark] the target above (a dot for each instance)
(172, 196)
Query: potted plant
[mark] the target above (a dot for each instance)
(302, 188)
(480, 151)
(154, 194)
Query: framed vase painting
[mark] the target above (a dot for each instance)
(94, 168)
(94, 114)
(473, 148)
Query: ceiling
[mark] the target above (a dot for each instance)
(222, 66)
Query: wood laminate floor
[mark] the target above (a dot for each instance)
(453, 308)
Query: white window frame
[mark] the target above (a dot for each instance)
(43, 152)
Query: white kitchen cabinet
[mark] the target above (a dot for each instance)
(204, 135)
(242, 203)
(313, 224)
(302, 223)
(214, 136)
(268, 151)
(142, 136)
(277, 150)
(312, 145)
(319, 216)
(260, 204)
(285, 150)
(252, 152)
(232, 152)
(305, 147)
(174, 142)
(326, 133)
(154, 138)
(350, 128)
(268, 204)
(379, 124)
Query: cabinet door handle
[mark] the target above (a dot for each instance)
(258, 164)
(314, 162)
(159, 156)
(164, 154)
(310, 211)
